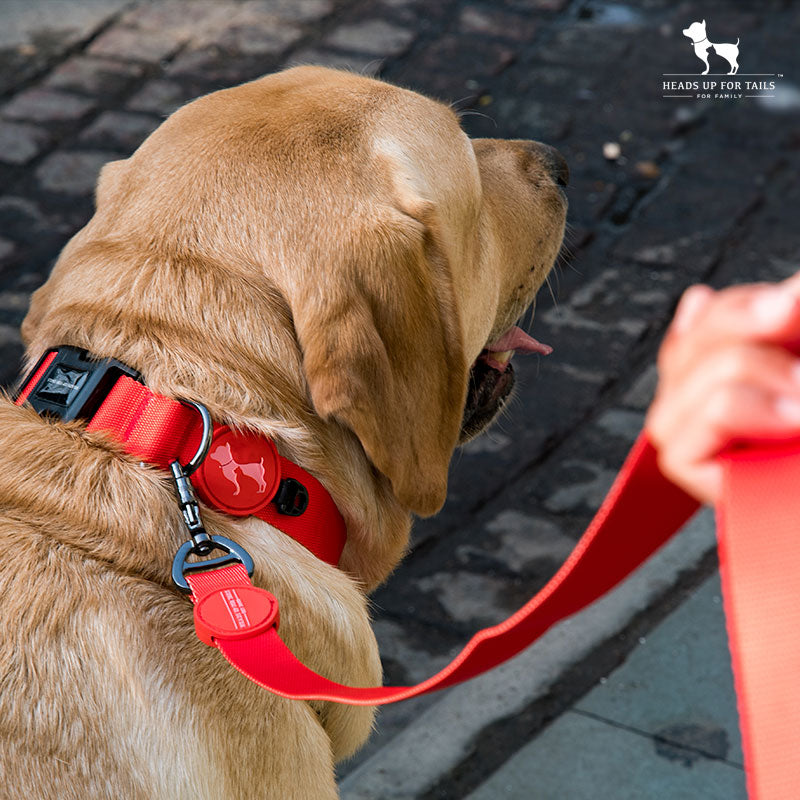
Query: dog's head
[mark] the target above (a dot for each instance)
(332, 222)
(696, 31)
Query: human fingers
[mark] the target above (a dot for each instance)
(742, 393)
(706, 319)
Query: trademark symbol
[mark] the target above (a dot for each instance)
(780, 74)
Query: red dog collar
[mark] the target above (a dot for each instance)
(242, 473)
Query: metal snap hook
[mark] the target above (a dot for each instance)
(201, 543)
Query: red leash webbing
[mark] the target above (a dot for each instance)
(758, 517)
(615, 543)
(759, 546)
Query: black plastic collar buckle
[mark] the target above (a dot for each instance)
(291, 498)
(75, 384)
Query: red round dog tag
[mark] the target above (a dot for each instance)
(240, 474)
(234, 612)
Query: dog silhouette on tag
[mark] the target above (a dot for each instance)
(230, 467)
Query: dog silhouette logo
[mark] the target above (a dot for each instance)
(730, 52)
(232, 469)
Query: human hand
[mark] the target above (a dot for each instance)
(729, 373)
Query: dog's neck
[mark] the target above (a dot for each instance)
(254, 381)
(700, 41)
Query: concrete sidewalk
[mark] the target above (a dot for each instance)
(662, 725)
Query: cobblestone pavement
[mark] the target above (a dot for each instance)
(664, 192)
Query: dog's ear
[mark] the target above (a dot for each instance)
(704, 23)
(382, 350)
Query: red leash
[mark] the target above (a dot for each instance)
(615, 543)
(758, 541)
(758, 532)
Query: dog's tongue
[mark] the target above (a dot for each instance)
(514, 340)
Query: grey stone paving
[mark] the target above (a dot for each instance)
(700, 190)
(584, 759)
(675, 682)
(661, 726)
(34, 34)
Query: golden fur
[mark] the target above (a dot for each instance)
(316, 256)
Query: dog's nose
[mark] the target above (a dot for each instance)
(544, 157)
(556, 165)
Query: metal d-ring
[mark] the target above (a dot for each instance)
(234, 554)
(205, 442)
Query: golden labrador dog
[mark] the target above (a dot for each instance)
(319, 257)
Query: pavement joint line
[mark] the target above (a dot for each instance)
(655, 737)
(77, 47)
(740, 229)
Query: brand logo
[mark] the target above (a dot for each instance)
(236, 608)
(62, 385)
(719, 85)
(730, 52)
(241, 474)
